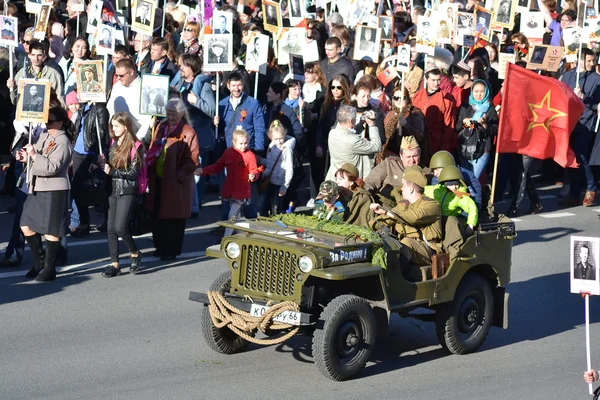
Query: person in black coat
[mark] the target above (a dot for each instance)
(159, 62)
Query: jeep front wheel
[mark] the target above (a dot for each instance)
(221, 340)
(344, 342)
(463, 324)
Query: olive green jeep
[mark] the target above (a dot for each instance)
(342, 289)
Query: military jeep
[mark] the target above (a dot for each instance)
(345, 287)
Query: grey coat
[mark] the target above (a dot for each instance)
(345, 146)
(49, 170)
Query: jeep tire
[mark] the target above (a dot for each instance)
(221, 340)
(463, 324)
(345, 337)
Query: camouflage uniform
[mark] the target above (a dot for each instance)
(329, 204)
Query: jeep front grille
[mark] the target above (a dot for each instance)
(268, 270)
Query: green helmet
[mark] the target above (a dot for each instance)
(441, 159)
(450, 173)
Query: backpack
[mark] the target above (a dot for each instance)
(142, 179)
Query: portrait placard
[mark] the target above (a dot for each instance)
(545, 58)
(34, 101)
(483, 21)
(296, 11)
(584, 264)
(257, 52)
(297, 67)
(465, 25)
(593, 29)
(9, 31)
(504, 13)
(42, 23)
(143, 17)
(90, 81)
(271, 16)
(292, 41)
(503, 60)
(105, 40)
(426, 33)
(34, 6)
(218, 52)
(444, 31)
(532, 24)
(311, 51)
(222, 22)
(523, 6)
(403, 58)
(94, 16)
(386, 25)
(368, 44)
(78, 5)
(572, 40)
(154, 94)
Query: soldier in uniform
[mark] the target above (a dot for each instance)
(388, 174)
(416, 220)
(329, 204)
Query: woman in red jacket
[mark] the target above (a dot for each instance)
(241, 170)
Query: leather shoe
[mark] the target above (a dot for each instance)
(590, 198)
(111, 271)
(136, 263)
(101, 227)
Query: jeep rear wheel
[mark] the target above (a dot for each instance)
(344, 343)
(463, 324)
(221, 340)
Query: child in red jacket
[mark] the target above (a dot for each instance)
(241, 167)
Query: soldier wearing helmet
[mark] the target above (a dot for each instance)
(444, 158)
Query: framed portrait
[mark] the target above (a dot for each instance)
(119, 37)
(78, 5)
(218, 53)
(483, 21)
(34, 6)
(523, 6)
(426, 33)
(9, 33)
(449, 12)
(154, 94)
(444, 31)
(90, 81)
(369, 42)
(584, 264)
(538, 54)
(546, 58)
(257, 52)
(296, 11)
(222, 23)
(94, 16)
(357, 11)
(105, 40)
(386, 25)
(504, 13)
(403, 58)
(143, 17)
(272, 16)
(572, 38)
(465, 25)
(297, 67)
(292, 41)
(532, 24)
(34, 101)
(41, 27)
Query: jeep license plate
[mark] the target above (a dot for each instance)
(287, 317)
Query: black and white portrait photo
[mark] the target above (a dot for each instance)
(8, 31)
(584, 264)
(271, 16)
(105, 40)
(444, 30)
(426, 33)
(523, 4)
(155, 94)
(386, 24)
(538, 54)
(532, 24)
(143, 19)
(503, 13)
(296, 10)
(222, 22)
(257, 51)
(368, 44)
(34, 101)
(465, 26)
(297, 67)
(291, 42)
(404, 58)
(94, 16)
(218, 55)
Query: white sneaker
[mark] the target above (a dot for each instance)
(310, 203)
(564, 191)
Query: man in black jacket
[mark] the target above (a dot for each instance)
(91, 125)
(160, 63)
(335, 63)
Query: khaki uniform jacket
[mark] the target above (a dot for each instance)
(423, 220)
(357, 209)
(385, 176)
(49, 171)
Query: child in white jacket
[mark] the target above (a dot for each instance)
(279, 170)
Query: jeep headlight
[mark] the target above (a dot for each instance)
(232, 250)
(305, 264)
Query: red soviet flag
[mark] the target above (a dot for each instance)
(537, 117)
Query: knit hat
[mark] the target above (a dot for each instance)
(415, 175)
(71, 98)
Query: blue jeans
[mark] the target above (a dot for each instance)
(476, 166)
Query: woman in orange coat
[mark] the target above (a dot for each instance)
(171, 160)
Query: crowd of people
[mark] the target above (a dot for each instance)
(414, 149)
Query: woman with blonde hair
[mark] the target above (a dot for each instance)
(189, 39)
(125, 161)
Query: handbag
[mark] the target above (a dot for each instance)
(140, 219)
(471, 142)
(92, 190)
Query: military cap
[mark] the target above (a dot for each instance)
(328, 190)
(351, 168)
(85, 69)
(415, 175)
(409, 143)
(218, 43)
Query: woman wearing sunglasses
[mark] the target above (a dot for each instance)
(404, 119)
(189, 39)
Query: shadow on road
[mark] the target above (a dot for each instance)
(543, 235)
(20, 289)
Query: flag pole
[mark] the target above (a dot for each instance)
(217, 103)
(500, 126)
(578, 63)
(256, 83)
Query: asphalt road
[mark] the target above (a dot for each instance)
(138, 337)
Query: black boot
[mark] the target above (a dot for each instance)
(49, 271)
(35, 244)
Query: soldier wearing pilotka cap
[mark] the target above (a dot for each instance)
(416, 221)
